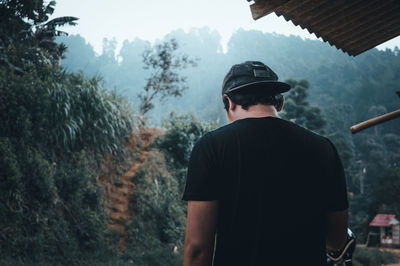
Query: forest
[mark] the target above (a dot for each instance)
(94, 146)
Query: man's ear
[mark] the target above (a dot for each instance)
(281, 104)
(232, 105)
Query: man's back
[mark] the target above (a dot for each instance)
(274, 182)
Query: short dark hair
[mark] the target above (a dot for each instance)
(252, 97)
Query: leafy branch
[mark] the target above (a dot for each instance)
(164, 80)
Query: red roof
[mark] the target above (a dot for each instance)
(382, 220)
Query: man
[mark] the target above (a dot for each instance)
(263, 190)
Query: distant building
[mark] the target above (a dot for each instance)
(389, 230)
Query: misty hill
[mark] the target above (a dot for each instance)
(335, 77)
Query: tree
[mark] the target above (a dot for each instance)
(298, 109)
(55, 127)
(27, 34)
(387, 196)
(182, 132)
(164, 79)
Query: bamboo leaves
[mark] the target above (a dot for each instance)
(88, 115)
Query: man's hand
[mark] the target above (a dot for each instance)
(201, 226)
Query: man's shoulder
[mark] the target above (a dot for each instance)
(212, 139)
(287, 131)
(222, 133)
(307, 134)
(321, 146)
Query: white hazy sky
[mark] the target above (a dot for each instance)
(151, 20)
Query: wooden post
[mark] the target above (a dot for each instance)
(375, 121)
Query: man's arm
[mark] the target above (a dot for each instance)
(201, 226)
(336, 229)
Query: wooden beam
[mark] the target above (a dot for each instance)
(262, 8)
(375, 121)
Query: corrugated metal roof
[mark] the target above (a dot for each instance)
(354, 26)
(385, 220)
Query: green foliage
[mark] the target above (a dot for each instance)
(387, 191)
(63, 111)
(50, 199)
(27, 34)
(338, 117)
(392, 144)
(158, 224)
(178, 141)
(154, 257)
(49, 210)
(372, 257)
(88, 115)
(298, 109)
(164, 79)
(55, 128)
(159, 220)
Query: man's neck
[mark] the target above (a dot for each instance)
(253, 111)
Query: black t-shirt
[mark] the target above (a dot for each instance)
(274, 182)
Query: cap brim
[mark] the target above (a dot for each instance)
(270, 87)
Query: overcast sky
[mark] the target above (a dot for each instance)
(151, 20)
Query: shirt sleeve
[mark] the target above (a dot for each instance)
(336, 184)
(202, 176)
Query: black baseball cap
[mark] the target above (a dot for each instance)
(253, 74)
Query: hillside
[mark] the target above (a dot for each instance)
(347, 89)
(119, 189)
